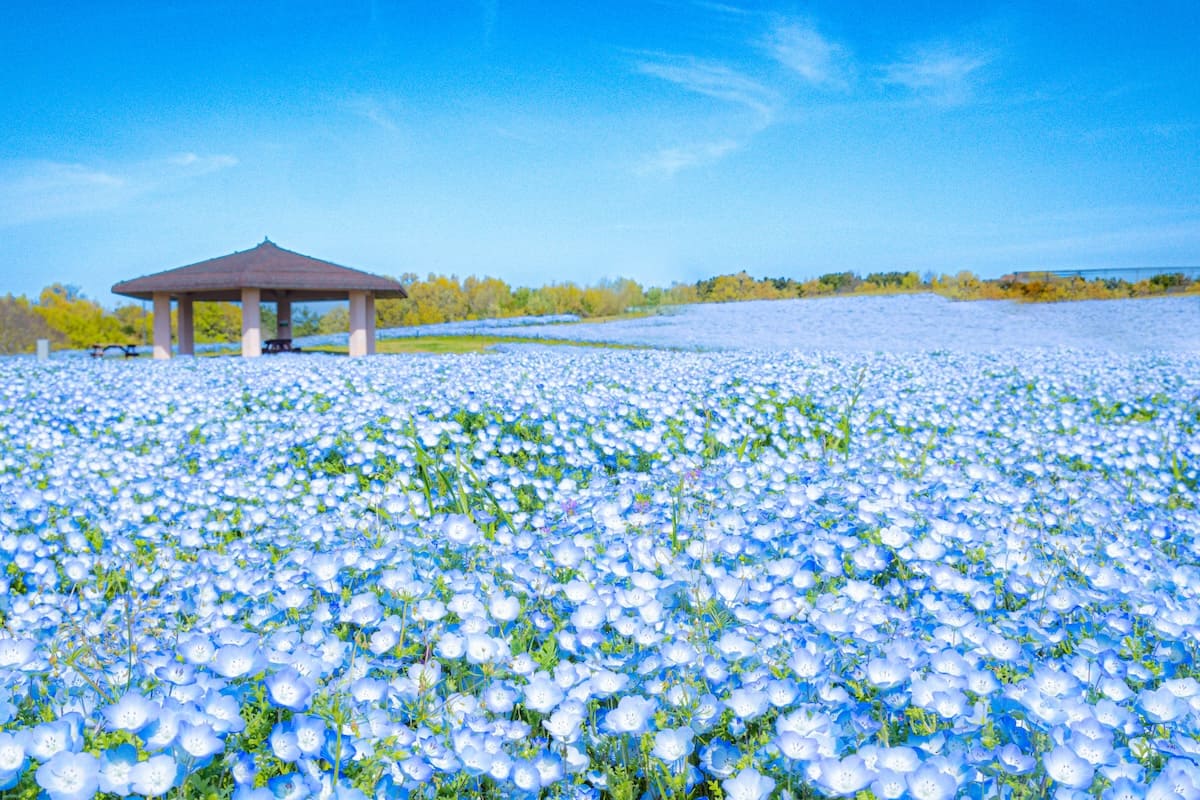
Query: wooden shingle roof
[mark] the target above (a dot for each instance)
(279, 274)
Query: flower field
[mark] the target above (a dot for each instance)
(602, 574)
(904, 323)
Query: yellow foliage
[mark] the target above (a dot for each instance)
(81, 322)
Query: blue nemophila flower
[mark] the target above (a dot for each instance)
(928, 782)
(460, 530)
(1092, 742)
(132, 713)
(235, 661)
(283, 743)
(842, 777)
(542, 693)
(499, 698)
(605, 683)
(564, 724)
(473, 752)
(900, 759)
(223, 713)
(116, 765)
(749, 784)
(291, 786)
(70, 776)
(1161, 705)
(417, 769)
(51, 738)
(504, 608)
(887, 673)
(1124, 789)
(1179, 778)
(196, 649)
(525, 776)
(719, 758)
(550, 768)
(633, 715)
(451, 646)
(1068, 769)
(175, 673)
(199, 742)
(425, 675)
(673, 746)
(747, 704)
(888, 784)
(16, 653)
(310, 733)
(288, 689)
(8, 709)
(13, 758)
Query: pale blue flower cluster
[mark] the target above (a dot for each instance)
(602, 574)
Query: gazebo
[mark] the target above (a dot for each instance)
(266, 273)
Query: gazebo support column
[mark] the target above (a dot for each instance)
(185, 327)
(162, 325)
(370, 323)
(283, 319)
(251, 324)
(358, 323)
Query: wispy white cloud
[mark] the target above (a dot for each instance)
(942, 74)
(722, 8)
(373, 110)
(202, 165)
(671, 160)
(712, 79)
(37, 190)
(819, 61)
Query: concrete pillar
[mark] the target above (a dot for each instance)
(251, 324)
(283, 319)
(358, 323)
(371, 323)
(185, 326)
(162, 325)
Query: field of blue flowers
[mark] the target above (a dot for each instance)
(898, 323)
(602, 574)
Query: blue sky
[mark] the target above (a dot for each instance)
(538, 142)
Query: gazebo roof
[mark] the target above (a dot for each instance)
(279, 275)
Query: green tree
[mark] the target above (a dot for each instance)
(487, 298)
(136, 323)
(561, 298)
(335, 320)
(305, 321)
(81, 322)
(21, 326)
(216, 322)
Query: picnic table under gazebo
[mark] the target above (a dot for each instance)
(267, 273)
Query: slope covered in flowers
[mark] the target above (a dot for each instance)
(905, 323)
(601, 574)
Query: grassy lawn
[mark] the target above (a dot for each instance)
(462, 344)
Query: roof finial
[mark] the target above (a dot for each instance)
(267, 240)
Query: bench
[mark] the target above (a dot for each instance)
(279, 346)
(128, 350)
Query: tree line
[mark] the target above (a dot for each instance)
(69, 320)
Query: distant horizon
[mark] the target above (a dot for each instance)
(666, 142)
(1191, 271)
